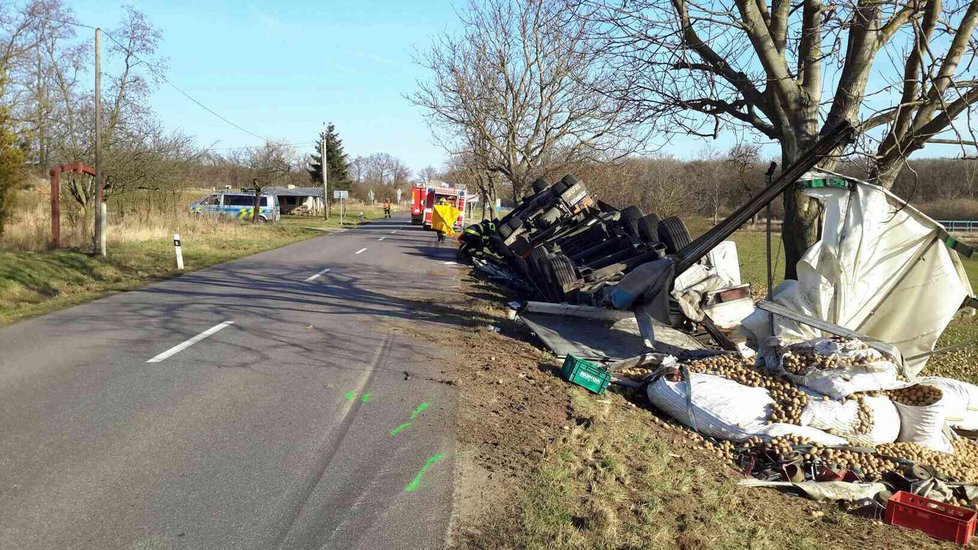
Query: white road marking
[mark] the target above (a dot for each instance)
(180, 347)
(394, 231)
(382, 238)
(361, 251)
(318, 275)
(449, 263)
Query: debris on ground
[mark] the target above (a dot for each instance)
(817, 389)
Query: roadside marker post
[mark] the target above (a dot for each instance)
(176, 245)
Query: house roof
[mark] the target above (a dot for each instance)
(295, 191)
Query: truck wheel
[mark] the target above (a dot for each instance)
(674, 234)
(548, 218)
(564, 271)
(564, 184)
(515, 223)
(648, 228)
(540, 184)
(629, 219)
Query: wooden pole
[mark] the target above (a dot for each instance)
(99, 184)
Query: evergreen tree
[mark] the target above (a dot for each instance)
(11, 165)
(338, 177)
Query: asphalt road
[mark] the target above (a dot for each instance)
(271, 429)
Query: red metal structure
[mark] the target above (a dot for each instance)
(76, 167)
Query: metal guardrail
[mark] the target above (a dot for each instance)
(959, 225)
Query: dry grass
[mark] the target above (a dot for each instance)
(30, 227)
(30, 230)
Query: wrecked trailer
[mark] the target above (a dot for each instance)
(833, 406)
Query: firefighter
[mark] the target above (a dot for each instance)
(471, 241)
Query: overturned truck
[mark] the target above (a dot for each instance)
(827, 385)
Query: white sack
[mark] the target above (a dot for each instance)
(961, 396)
(858, 368)
(842, 419)
(968, 421)
(840, 383)
(924, 426)
(724, 409)
(878, 269)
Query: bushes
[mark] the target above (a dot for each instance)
(951, 209)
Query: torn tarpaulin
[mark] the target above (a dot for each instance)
(881, 268)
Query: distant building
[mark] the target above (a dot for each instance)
(299, 200)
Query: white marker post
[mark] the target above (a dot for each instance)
(176, 245)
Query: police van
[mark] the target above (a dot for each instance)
(228, 204)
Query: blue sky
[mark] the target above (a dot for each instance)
(282, 69)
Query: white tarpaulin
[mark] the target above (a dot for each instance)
(881, 269)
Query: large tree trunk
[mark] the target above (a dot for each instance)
(799, 230)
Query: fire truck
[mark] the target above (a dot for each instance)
(423, 200)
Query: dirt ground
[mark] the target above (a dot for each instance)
(543, 464)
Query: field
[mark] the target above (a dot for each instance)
(34, 280)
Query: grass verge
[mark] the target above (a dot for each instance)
(34, 283)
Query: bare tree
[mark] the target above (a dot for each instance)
(273, 163)
(427, 174)
(358, 167)
(902, 70)
(517, 89)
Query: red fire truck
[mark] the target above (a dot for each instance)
(423, 200)
(418, 195)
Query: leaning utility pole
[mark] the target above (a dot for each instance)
(322, 158)
(99, 187)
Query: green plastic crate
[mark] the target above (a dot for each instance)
(585, 374)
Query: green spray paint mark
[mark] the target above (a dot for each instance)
(417, 479)
(350, 395)
(366, 397)
(417, 411)
(400, 428)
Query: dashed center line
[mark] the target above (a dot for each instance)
(318, 275)
(186, 344)
(361, 251)
(382, 238)
(394, 231)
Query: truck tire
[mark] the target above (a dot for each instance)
(504, 230)
(648, 228)
(539, 184)
(565, 183)
(548, 218)
(564, 271)
(515, 223)
(632, 213)
(674, 234)
(629, 220)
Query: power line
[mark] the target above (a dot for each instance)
(297, 144)
(162, 77)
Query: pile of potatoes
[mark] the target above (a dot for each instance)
(918, 395)
(866, 418)
(789, 401)
(801, 359)
(803, 362)
(961, 466)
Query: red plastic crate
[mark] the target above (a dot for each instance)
(933, 517)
